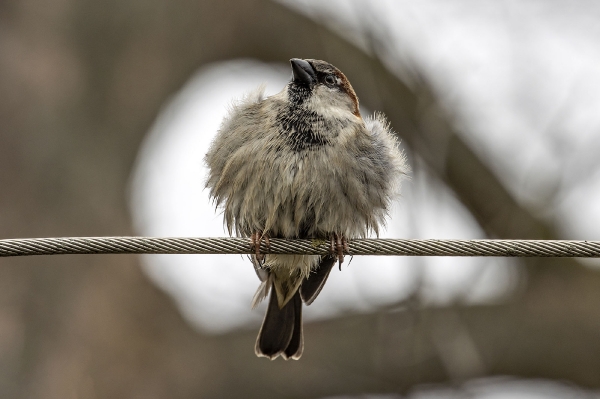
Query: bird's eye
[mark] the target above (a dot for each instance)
(329, 80)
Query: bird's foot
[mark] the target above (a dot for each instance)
(339, 246)
(257, 237)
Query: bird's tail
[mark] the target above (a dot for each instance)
(281, 331)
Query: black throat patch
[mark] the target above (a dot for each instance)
(303, 129)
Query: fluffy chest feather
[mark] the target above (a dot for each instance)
(298, 173)
(312, 192)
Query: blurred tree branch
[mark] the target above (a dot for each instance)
(82, 83)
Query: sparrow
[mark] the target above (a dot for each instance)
(302, 163)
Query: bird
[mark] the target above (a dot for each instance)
(301, 164)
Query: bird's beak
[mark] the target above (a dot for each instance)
(303, 72)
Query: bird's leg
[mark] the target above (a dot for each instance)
(257, 237)
(339, 246)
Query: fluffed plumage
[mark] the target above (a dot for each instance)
(301, 164)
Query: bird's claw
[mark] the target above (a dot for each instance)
(257, 237)
(339, 246)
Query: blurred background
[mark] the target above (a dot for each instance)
(107, 109)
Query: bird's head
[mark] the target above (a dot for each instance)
(321, 87)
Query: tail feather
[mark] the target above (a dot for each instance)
(285, 284)
(281, 331)
(296, 345)
(312, 286)
(262, 292)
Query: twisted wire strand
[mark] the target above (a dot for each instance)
(390, 247)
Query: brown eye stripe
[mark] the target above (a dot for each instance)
(323, 67)
(347, 87)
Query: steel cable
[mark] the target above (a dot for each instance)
(392, 247)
